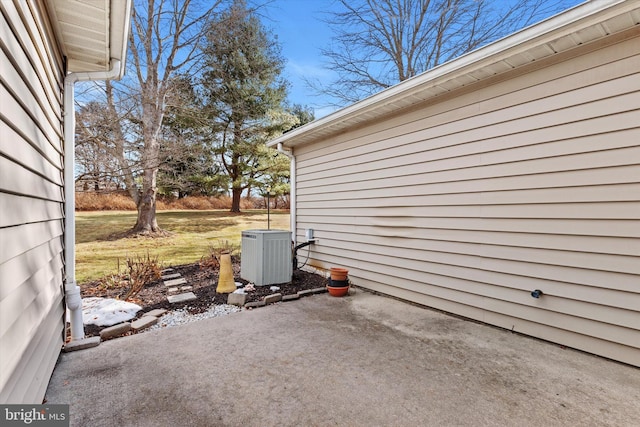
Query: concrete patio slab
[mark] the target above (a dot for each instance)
(362, 360)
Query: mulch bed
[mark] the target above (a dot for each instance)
(204, 281)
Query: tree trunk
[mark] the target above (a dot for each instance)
(147, 222)
(146, 203)
(236, 193)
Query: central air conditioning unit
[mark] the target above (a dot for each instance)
(266, 257)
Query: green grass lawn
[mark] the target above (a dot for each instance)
(193, 233)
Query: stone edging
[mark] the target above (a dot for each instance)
(273, 298)
(151, 318)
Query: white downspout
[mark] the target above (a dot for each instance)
(292, 192)
(72, 290)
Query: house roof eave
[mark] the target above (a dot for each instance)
(91, 34)
(582, 24)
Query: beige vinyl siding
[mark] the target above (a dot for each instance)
(31, 195)
(467, 203)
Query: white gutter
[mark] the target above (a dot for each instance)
(72, 290)
(292, 192)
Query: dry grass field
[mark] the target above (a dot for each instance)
(192, 234)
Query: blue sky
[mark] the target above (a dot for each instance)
(302, 33)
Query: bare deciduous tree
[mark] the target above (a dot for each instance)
(164, 41)
(96, 167)
(379, 43)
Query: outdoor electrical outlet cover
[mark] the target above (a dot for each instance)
(309, 233)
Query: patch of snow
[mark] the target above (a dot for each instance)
(274, 288)
(107, 311)
(239, 291)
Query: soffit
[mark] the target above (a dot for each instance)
(91, 31)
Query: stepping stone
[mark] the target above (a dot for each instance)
(236, 299)
(156, 313)
(270, 299)
(173, 290)
(186, 288)
(188, 296)
(81, 344)
(143, 322)
(166, 270)
(170, 276)
(175, 282)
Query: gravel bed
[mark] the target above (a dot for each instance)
(182, 316)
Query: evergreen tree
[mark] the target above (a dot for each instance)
(243, 94)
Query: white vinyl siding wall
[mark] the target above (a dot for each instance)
(471, 201)
(31, 196)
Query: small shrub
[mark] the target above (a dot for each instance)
(196, 203)
(91, 201)
(222, 202)
(247, 203)
(209, 261)
(112, 281)
(219, 247)
(104, 202)
(142, 271)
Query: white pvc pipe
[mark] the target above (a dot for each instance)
(72, 290)
(292, 192)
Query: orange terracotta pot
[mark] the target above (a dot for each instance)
(338, 273)
(338, 292)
